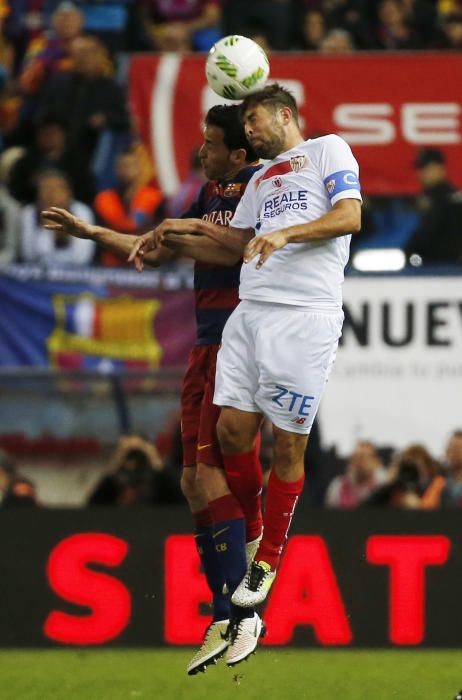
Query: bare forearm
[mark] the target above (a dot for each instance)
(122, 243)
(338, 222)
(234, 239)
(201, 249)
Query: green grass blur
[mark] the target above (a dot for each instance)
(272, 674)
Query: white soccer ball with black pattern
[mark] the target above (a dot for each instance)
(236, 66)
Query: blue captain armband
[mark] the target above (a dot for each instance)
(340, 182)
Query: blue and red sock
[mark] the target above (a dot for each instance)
(211, 564)
(229, 535)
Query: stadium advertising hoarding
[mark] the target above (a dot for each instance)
(385, 105)
(398, 374)
(128, 577)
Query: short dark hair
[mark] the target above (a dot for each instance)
(51, 119)
(228, 118)
(426, 156)
(273, 97)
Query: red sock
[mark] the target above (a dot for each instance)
(281, 499)
(225, 508)
(203, 518)
(244, 476)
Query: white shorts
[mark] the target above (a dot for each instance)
(275, 359)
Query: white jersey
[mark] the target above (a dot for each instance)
(296, 187)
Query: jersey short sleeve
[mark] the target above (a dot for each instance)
(339, 170)
(246, 215)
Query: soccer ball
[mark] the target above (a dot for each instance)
(236, 66)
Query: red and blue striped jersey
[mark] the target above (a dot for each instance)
(216, 286)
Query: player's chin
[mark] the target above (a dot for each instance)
(261, 150)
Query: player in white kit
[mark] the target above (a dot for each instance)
(295, 221)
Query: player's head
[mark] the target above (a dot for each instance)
(53, 189)
(269, 116)
(430, 164)
(129, 168)
(225, 149)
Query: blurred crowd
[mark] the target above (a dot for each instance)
(139, 473)
(412, 479)
(67, 138)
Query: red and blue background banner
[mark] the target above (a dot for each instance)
(386, 105)
(93, 324)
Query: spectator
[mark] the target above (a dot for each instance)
(50, 150)
(26, 21)
(179, 25)
(421, 16)
(337, 41)
(50, 248)
(49, 54)
(414, 481)
(438, 236)
(189, 189)
(313, 30)
(452, 493)
(354, 16)
(21, 493)
(450, 34)
(89, 94)
(7, 470)
(273, 17)
(257, 32)
(133, 206)
(393, 31)
(136, 476)
(364, 474)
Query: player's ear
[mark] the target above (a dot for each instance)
(286, 114)
(238, 156)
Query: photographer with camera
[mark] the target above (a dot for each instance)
(415, 482)
(136, 476)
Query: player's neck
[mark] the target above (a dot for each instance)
(293, 139)
(232, 173)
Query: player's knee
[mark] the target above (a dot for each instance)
(230, 435)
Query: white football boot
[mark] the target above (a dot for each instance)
(243, 636)
(213, 647)
(255, 585)
(251, 549)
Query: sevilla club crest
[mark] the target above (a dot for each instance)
(297, 163)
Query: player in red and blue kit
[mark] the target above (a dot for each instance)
(229, 163)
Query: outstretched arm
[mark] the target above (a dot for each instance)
(229, 238)
(201, 249)
(56, 219)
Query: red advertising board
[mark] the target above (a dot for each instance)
(372, 578)
(386, 106)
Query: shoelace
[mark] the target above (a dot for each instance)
(233, 630)
(255, 577)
